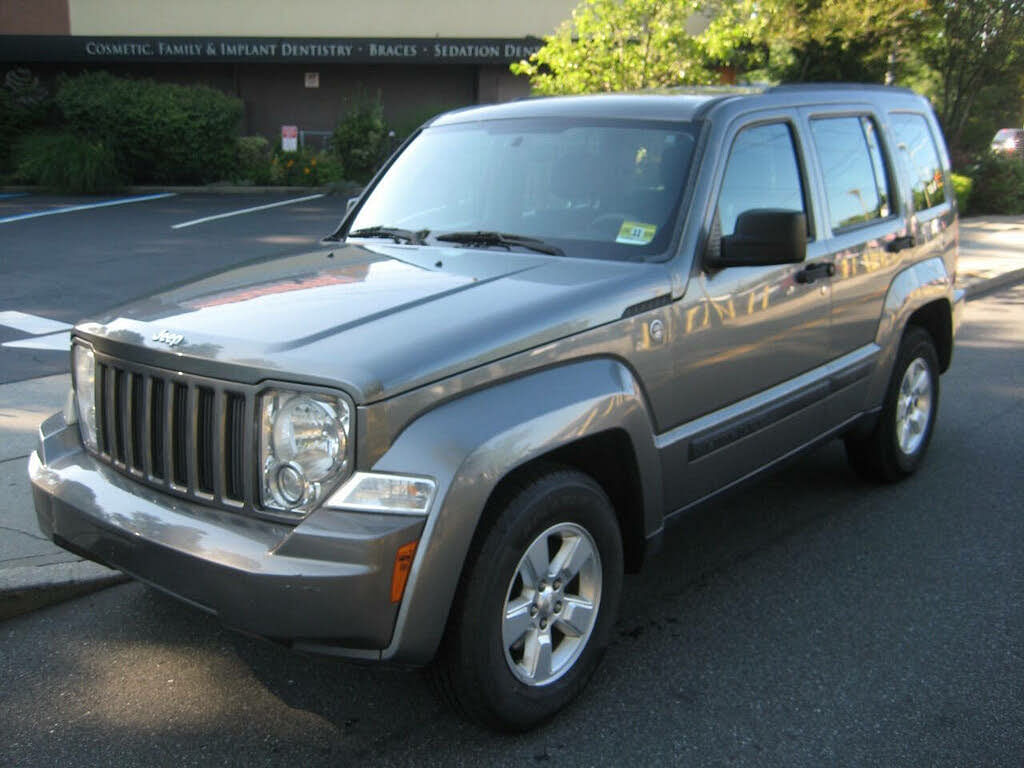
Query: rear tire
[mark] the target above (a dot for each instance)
(536, 603)
(897, 445)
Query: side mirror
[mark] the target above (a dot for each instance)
(762, 237)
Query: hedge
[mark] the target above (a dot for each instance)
(160, 132)
(997, 185)
(963, 185)
(65, 162)
(360, 139)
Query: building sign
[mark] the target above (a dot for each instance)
(83, 49)
(312, 80)
(290, 138)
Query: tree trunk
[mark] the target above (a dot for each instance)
(891, 63)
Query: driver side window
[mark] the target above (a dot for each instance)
(762, 173)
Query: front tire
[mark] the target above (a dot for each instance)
(536, 603)
(897, 445)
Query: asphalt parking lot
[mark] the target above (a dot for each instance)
(103, 251)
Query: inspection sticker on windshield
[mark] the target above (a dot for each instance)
(636, 233)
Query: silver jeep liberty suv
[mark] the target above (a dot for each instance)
(543, 332)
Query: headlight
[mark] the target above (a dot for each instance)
(304, 448)
(84, 362)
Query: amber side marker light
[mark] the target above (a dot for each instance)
(400, 575)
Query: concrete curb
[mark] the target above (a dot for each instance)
(985, 286)
(29, 588)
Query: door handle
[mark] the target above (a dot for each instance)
(812, 272)
(899, 243)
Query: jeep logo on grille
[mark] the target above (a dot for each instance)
(168, 338)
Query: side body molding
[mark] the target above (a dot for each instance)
(471, 443)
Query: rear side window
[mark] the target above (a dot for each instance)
(762, 173)
(856, 180)
(917, 144)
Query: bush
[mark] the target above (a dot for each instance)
(962, 185)
(304, 168)
(254, 159)
(997, 185)
(408, 122)
(360, 139)
(8, 128)
(25, 107)
(160, 132)
(67, 163)
(28, 101)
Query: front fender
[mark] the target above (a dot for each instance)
(468, 445)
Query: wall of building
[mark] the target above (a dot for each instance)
(422, 58)
(318, 18)
(275, 94)
(34, 17)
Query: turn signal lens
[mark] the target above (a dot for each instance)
(84, 363)
(375, 492)
(400, 574)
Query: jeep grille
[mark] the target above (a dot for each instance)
(187, 435)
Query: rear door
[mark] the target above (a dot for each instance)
(866, 231)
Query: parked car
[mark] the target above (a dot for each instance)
(1009, 141)
(545, 331)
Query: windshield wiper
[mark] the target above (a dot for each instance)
(501, 238)
(393, 233)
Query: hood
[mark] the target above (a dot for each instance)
(374, 320)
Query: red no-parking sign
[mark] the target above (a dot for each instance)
(290, 138)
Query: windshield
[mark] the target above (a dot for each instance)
(588, 189)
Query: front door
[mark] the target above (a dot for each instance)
(747, 340)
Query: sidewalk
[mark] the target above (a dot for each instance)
(991, 253)
(34, 572)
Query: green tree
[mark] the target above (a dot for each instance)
(815, 40)
(360, 139)
(619, 45)
(611, 45)
(976, 47)
(967, 55)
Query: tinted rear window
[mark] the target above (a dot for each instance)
(856, 181)
(915, 141)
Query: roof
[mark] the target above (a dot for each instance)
(637, 106)
(684, 103)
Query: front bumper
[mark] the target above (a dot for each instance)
(324, 584)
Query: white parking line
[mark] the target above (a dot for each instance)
(87, 206)
(244, 210)
(61, 342)
(33, 324)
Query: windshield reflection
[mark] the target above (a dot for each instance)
(593, 189)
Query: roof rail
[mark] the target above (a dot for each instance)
(825, 86)
(710, 90)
